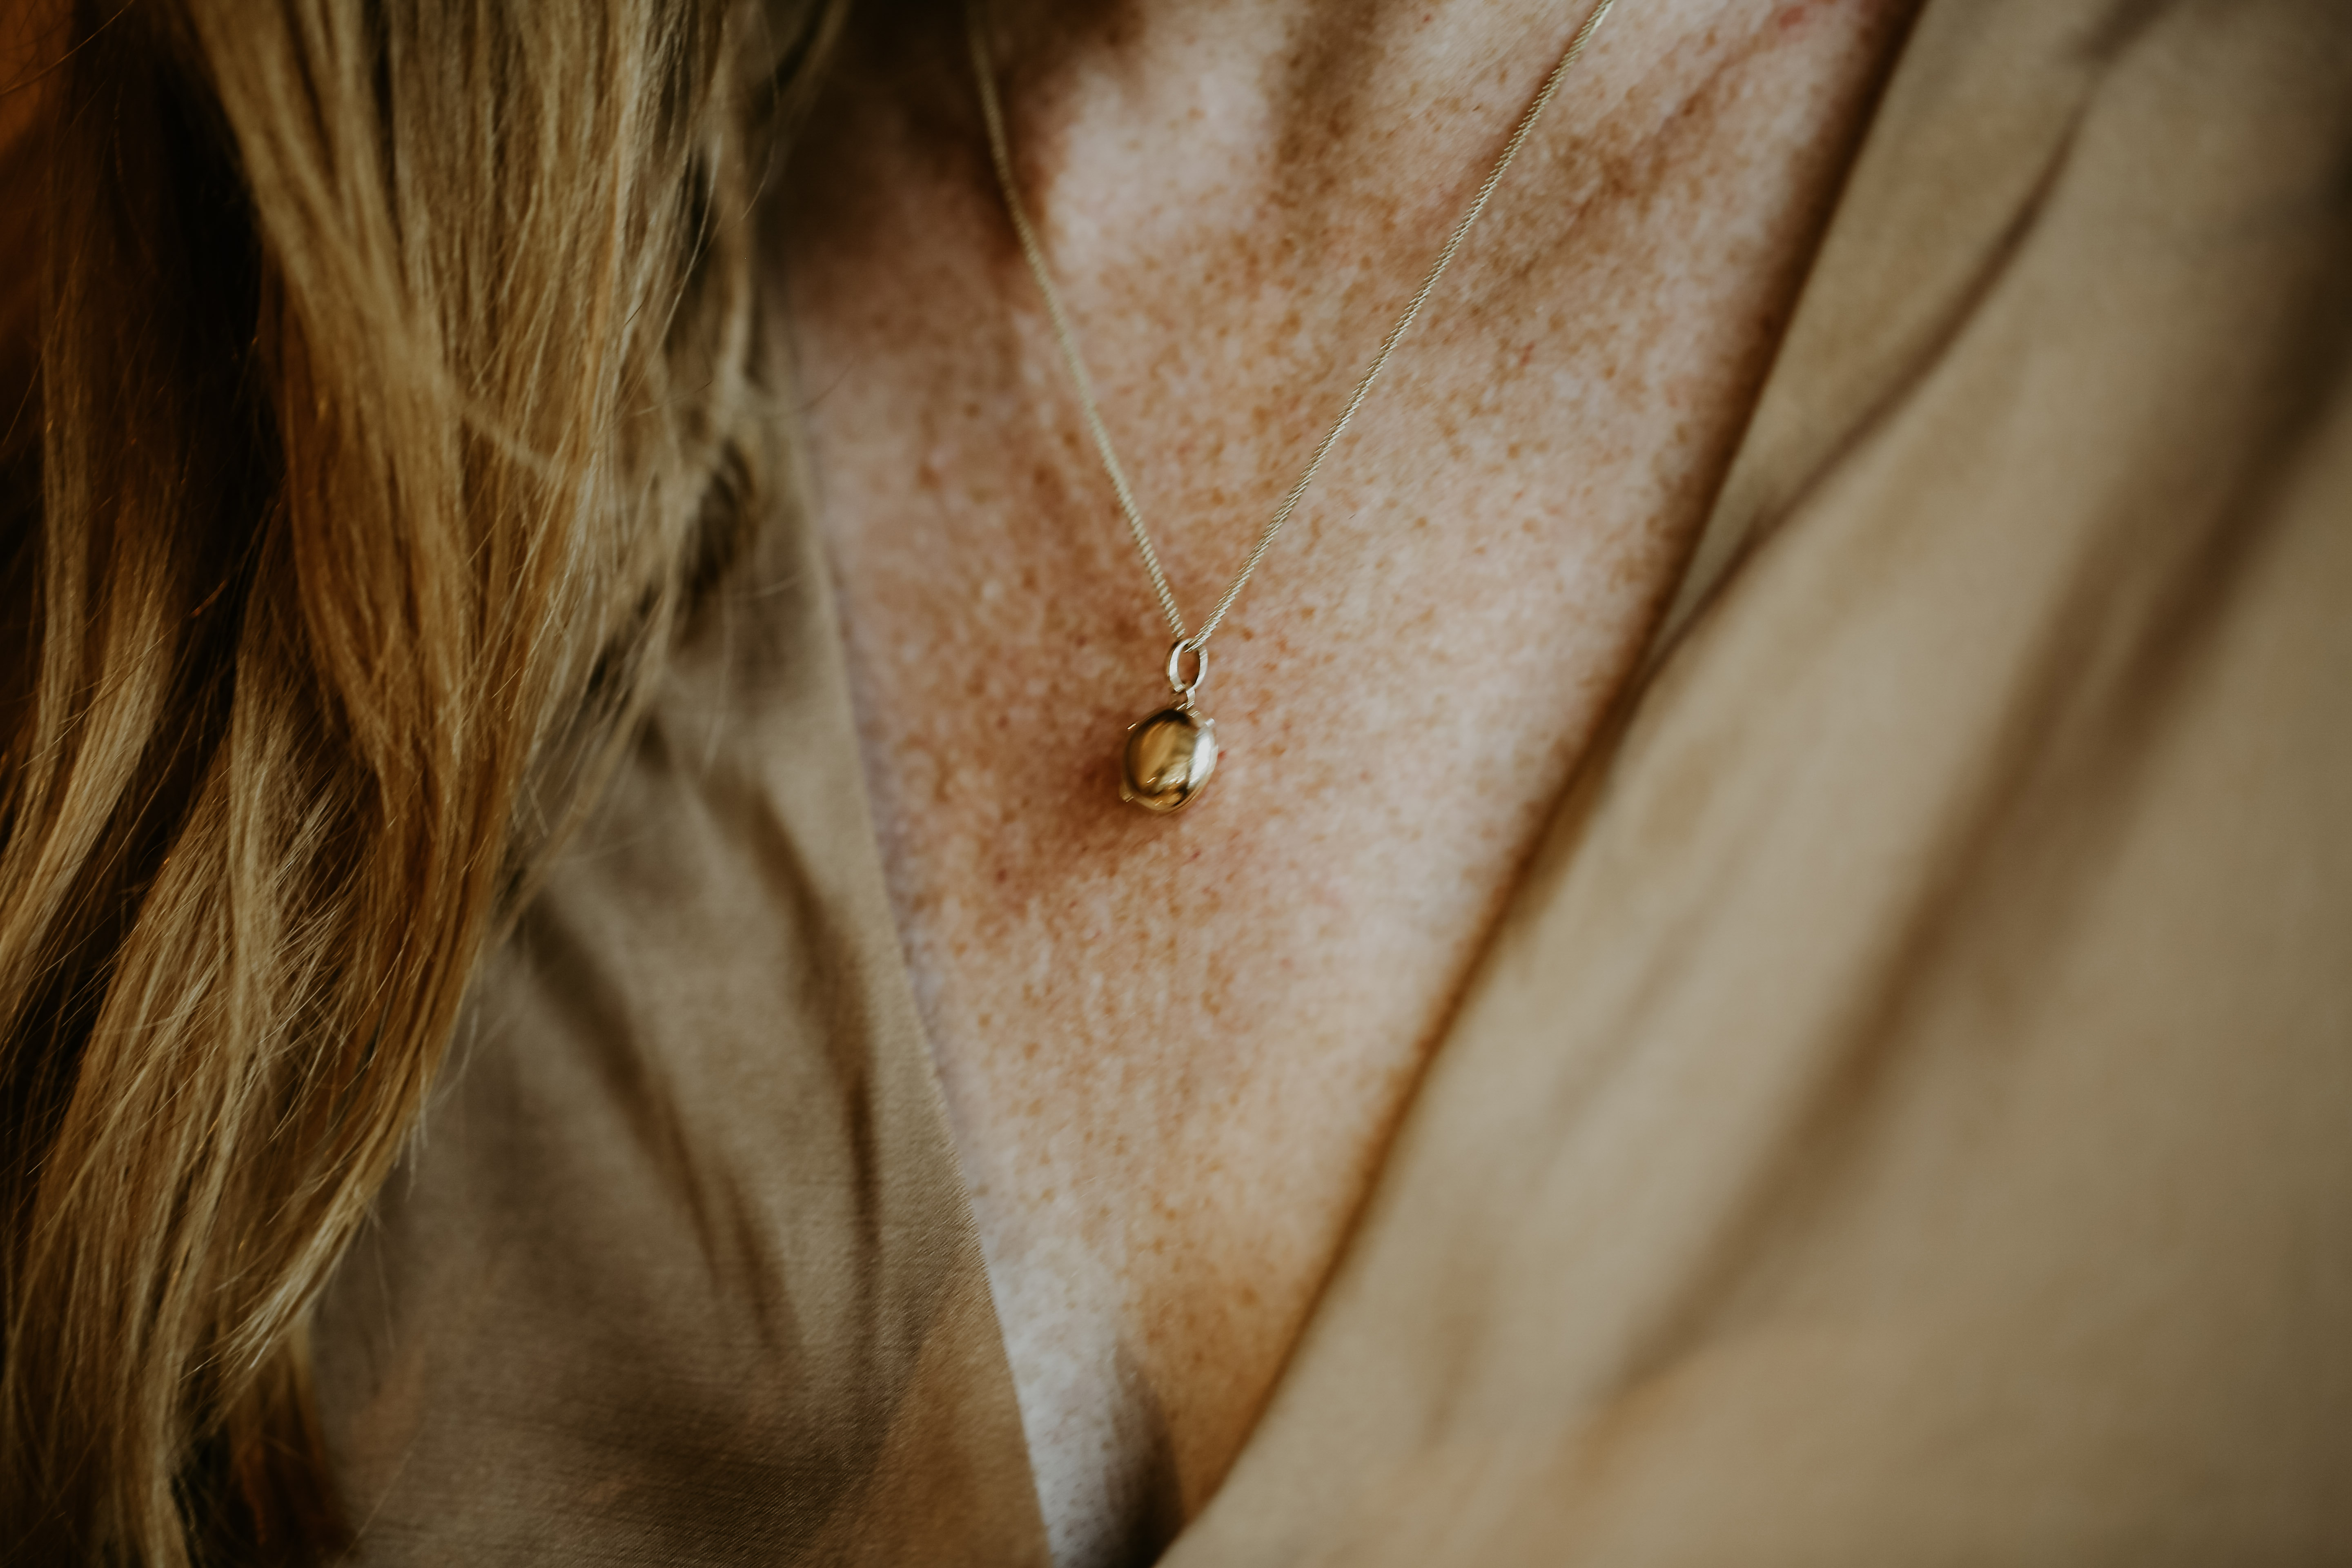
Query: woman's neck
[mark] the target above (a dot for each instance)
(1139, 125)
(1275, 95)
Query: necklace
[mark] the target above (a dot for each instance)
(1168, 756)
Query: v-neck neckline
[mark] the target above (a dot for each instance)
(1858, 329)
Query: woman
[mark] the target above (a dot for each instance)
(1760, 976)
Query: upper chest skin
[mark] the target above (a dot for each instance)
(1172, 1046)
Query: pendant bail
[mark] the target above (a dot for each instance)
(1182, 688)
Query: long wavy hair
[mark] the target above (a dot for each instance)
(386, 387)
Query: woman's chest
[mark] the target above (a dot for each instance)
(1172, 1046)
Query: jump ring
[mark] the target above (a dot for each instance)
(1176, 652)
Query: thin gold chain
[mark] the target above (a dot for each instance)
(974, 26)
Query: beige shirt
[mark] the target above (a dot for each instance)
(1905, 1115)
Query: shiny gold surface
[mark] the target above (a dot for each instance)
(1167, 760)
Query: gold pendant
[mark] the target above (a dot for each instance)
(1167, 757)
(1167, 760)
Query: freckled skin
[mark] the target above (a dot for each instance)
(1174, 1047)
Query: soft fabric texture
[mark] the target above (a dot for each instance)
(1902, 1117)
